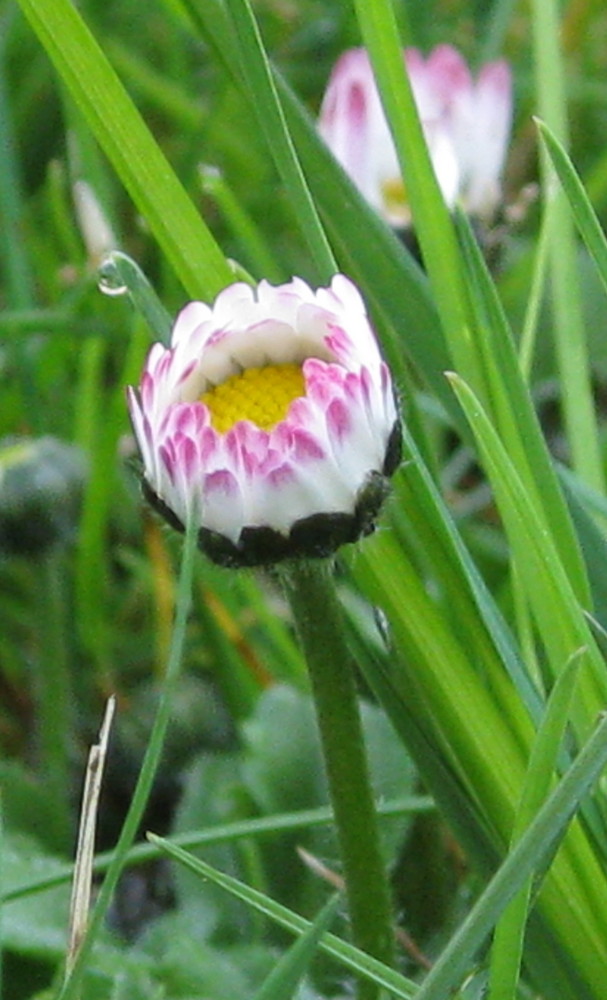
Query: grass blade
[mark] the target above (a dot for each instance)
(345, 953)
(284, 978)
(570, 337)
(257, 74)
(507, 947)
(586, 219)
(122, 134)
(527, 857)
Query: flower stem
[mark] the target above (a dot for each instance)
(311, 594)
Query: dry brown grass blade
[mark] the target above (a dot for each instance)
(85, 851)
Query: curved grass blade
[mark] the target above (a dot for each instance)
(118, 274)
(585, 217)
(345, 953)
(222, 833)
(528, 856)
(292, 966)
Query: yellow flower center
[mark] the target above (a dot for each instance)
(394, 196)
(262, 395)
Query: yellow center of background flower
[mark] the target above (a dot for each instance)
(261, 395)
(394, 195)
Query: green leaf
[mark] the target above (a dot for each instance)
(32, 927)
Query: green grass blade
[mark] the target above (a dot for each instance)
(431, 218)
(292, 966)
(586, 219)
(527, 857)
(345, 953)
(258, 256)
(148, 768)
(436, 666)
(19, 290)
(549, 590)
(512, 408)
(13, 247)
(118, 275)
(506, 953)
(264, 99)
(419, 501)
(570, 337)
(589, 512)
(123, 136)
(220, 834)
(536, 294)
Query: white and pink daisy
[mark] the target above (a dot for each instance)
(271, 421)
(466, 123)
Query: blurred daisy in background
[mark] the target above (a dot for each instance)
(466, 123)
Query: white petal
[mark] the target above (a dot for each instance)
(223, 507)
(193, 315)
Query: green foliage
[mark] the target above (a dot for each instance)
(469, 611)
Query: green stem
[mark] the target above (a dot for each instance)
(311, 594)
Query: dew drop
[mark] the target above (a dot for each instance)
(110, 281)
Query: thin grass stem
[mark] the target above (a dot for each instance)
(148, 768)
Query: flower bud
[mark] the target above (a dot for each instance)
(270, 421)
